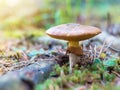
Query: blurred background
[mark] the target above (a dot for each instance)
(22, 33)
(19, 16)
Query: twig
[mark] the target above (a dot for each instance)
(24, 56)
(102, 79)
(91, 51)
(101, 48)
(117, 74)
(94, 52)
(108, 45)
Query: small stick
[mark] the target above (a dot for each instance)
(102, 48)
(117, 74)
(94, 52)
(108, 45)
(91, 51)
(102, 79)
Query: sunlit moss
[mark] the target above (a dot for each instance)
(23, 33)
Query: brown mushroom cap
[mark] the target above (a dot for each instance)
(73, 32)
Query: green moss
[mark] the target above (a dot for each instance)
(23, 33)
(81, 76)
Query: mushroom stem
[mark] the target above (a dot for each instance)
(72, 61)
(73, 43)
(72, 57)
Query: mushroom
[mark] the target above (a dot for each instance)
(73, 33)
